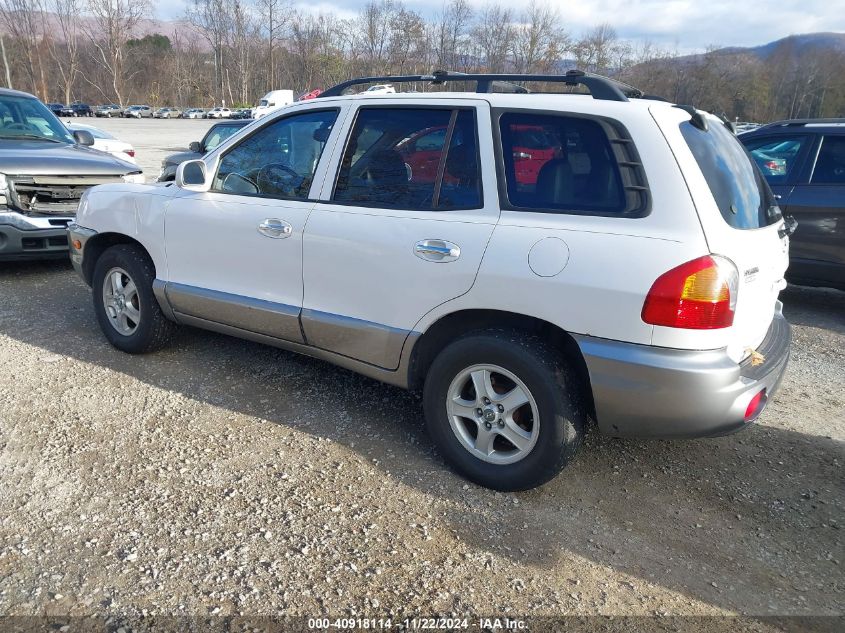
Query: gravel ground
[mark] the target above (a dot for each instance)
(221, 477)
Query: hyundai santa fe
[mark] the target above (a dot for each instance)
(626, 272)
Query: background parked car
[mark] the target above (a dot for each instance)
(81, 109)
(105, 142)
(108, 110)
(218, 113)
(60, 110)
(167, 113)
(216, 134)
(804, 163)
(44, 170)
(138, 112)
(241, 113)
(194, 113)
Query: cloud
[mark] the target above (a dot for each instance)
(688, 25)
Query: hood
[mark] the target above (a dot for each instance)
(181, 157)
(34, 158)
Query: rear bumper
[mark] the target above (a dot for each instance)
(650, 392)
(20, 244)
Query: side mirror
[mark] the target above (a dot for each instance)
(191, 175)
(83, 137)
(195, 147)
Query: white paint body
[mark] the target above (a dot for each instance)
(359, 262)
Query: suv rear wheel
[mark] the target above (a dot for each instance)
(126, 308)
(504, 409)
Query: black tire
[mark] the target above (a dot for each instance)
(549, 379)
(154, 330)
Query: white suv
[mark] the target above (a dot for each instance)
(529, 261)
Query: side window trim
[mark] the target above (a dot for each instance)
(821, 139)
(327, 195)
(221, 154)
(620, 143)
(444, 153)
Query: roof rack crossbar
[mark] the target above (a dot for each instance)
(600, 87)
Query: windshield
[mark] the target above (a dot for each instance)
(28, 118)
(741, 193)
(217, 135)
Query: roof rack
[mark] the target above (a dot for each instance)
(797, 122)
(600, 87)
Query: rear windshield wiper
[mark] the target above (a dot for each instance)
(31, 137)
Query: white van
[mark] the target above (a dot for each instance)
(273, 100)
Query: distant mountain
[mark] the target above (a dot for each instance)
(800, 44)
(179, 32)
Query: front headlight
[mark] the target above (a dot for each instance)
(4, 188)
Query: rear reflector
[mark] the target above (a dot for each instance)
(755, 407)
(131, 152)
(697, 295)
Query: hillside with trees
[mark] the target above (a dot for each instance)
(234, 51)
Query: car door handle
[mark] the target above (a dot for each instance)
(277, 229)
(439, 251)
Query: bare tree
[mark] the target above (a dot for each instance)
(539, 41)
(601, 51)
(112, 23)
(64, 44)
(23, 20)
(213, 19)
(275, 16)
(451, 35)
(493, 37)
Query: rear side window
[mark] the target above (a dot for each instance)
(556, 163)
(411, 158)
(776, 157)
(830, 165)
(741, 193)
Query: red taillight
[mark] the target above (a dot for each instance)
(131, 152)
(521, 156)
(755, 407)
(697, 295)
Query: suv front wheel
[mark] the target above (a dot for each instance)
(504, 409)
(124, 302)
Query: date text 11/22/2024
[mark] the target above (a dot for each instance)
(418, 624)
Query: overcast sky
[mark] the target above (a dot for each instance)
(689, 25)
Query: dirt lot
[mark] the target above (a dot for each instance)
(223, 477)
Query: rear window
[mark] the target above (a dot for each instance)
(741, 193)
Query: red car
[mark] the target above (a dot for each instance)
(305, 96)
(533, 146)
